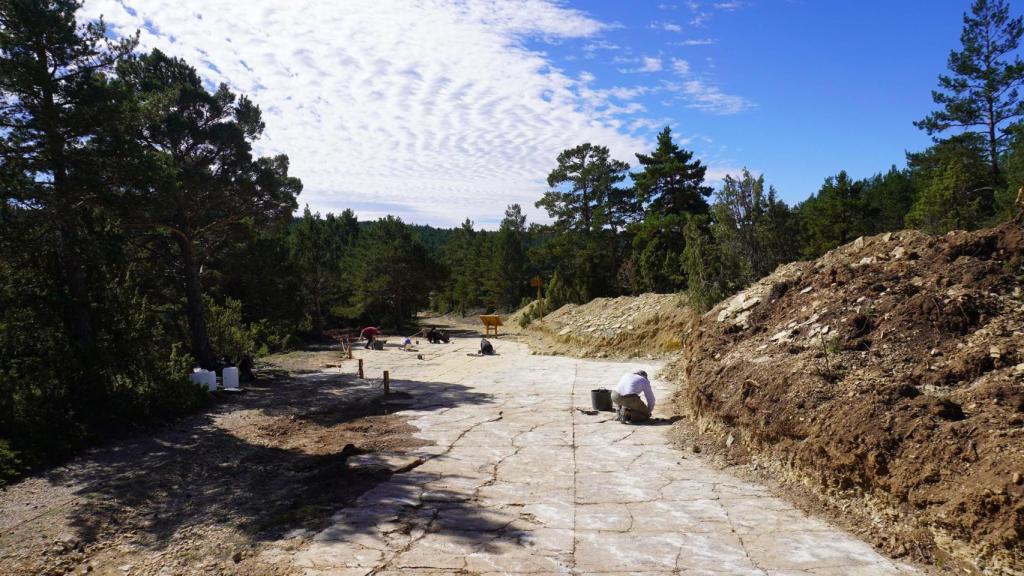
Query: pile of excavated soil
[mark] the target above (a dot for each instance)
(645, 326)
(888, 377)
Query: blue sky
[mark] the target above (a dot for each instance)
(438, 110)
(829, 85)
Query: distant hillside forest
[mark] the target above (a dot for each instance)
(140, 236)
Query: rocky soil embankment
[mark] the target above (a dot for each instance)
(645, 326)
(887, 376)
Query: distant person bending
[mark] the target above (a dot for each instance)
(627, 397)
(486, 348)
(370, 333)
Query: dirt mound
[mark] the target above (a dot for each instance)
(648, 325)
(888, 376)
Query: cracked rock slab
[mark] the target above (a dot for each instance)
(518, 481)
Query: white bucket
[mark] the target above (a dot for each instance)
(230, 378)
(204, 378)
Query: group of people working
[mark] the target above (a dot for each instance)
(434, 336)
(626, 395)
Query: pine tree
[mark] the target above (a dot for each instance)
(317, 251)
(55, 99)
(393, 274)
(671, 187)
(201, 183)
(947, 202)
(982, 94)
(833, 216)
(951, 179)
(671, 181)
(712, 270)
(753, 224)
(585, 206)
(507, 279)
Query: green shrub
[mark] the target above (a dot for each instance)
(10, 464)
(229, 335)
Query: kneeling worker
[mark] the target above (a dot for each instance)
(486, 348)
(627, 397)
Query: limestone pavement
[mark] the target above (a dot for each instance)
(520, 482)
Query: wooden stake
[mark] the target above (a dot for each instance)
(360, 367)
(387, 383)
(348, 344)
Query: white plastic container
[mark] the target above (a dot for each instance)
(205, 378)
(230, 378)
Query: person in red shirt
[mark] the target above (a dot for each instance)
(370, 333)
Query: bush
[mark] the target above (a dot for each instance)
(229, 335)
(712, 271)
(537, 309)
(10, 464)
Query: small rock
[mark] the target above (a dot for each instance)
(695, 448)
(1017, 478)
(236, 557)
(729, 441)
(995, 352)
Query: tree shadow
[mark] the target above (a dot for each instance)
(239, 466)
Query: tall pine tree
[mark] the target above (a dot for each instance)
(982, 94)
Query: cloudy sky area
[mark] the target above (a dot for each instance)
(438, 110)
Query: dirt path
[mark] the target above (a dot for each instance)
(518, 481)
(208, 494)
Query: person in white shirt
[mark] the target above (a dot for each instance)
(627, 397)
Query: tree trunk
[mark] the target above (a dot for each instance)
(78, 316)
(993, 151)
(200, 338)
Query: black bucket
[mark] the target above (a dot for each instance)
(601, 399)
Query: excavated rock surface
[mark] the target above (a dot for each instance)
(888, 374)
(645, 326)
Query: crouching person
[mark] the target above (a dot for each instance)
(486, 348)
(626, 398)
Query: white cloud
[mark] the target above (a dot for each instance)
(433, 110)
(651, 64)
(695, 42)
(702, 14)
(709, 98)
(647, 64)
(666, 26)
(702, 96)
